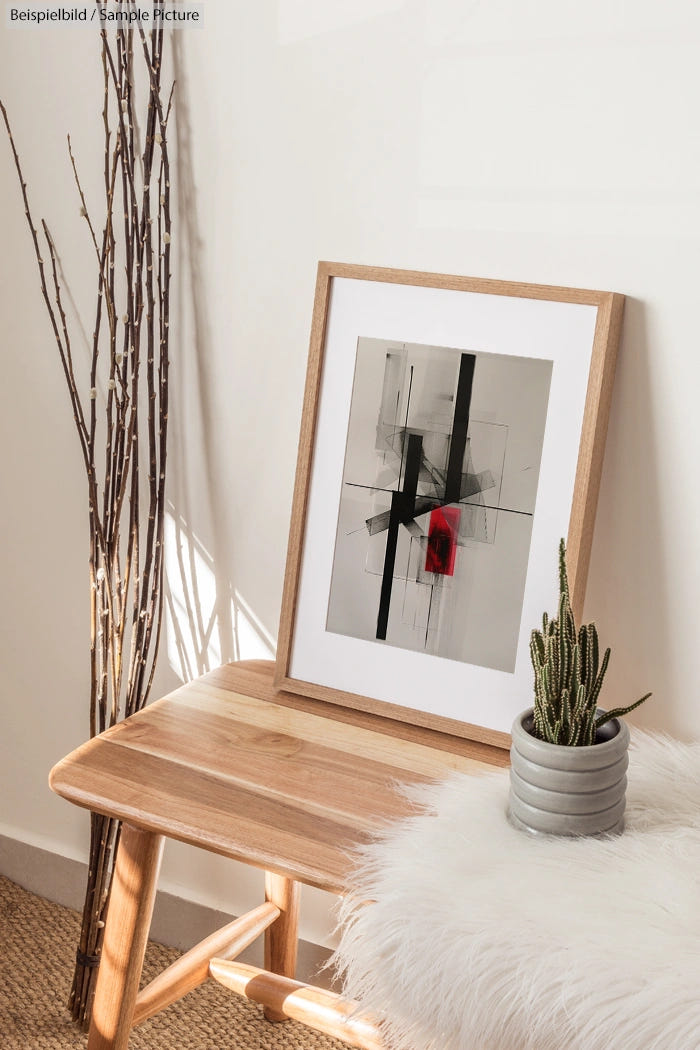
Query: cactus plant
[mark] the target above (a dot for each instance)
(569, 675)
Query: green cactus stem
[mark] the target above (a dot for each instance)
(569, 675)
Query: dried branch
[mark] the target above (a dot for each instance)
(128, 379)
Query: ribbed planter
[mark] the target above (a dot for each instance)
(557, 790)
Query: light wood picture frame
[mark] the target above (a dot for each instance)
(453, 430)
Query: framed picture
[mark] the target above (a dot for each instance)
(452, 433)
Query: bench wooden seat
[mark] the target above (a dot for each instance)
(227, 764)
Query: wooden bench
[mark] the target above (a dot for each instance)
(277, 781)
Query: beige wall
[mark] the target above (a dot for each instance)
(551, 142)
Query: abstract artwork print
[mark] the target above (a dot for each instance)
(438, 497)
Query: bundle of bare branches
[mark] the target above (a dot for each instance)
(120, 409)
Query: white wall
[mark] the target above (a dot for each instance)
(549, 142)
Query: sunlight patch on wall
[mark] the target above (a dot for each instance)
(207, 621)
(254, 641)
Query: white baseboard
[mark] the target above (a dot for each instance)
(177, 922)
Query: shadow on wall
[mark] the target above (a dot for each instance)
(628, 590)
(207, 620)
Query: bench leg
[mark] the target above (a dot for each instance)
(281, 937)
(126, 933)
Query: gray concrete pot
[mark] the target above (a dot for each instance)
(558, 790)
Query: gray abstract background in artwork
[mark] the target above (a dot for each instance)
(476, 515)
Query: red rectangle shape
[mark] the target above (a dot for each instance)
(442, 540)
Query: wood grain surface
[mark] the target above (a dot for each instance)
(192, 969)
(132, 896)
(228, 764)
(316, 1007)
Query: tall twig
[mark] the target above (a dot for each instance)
(122, 417)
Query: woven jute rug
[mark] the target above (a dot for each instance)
(37, 949)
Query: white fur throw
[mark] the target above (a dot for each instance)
(481, 937)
